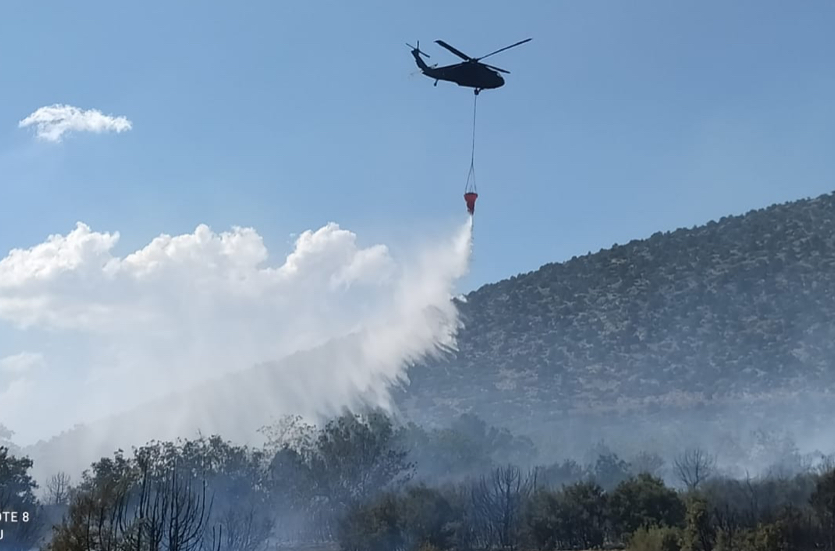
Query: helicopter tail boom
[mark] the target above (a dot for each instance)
(419, 60)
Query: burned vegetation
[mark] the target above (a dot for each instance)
(364, 482)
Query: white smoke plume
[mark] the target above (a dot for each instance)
(197, 323)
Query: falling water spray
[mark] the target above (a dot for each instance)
(196, 333)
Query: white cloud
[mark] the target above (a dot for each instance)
(187, 309)
(20, 364)
(53, 121)
(13, 398)
(17, 373)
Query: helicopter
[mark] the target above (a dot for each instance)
(471, 73)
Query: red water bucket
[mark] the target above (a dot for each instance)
(470, 199)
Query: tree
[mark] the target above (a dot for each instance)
(233, 475)
(732, 508)
(646, 462)
(586, 504)
(498, 501)
(443, 454)
(699, 533)
(694, 466)
(58, 489)
(170, 512)
(573, 518)
(794, 529)
(610, 470)
(93, 519)
(428, 518)
(655, 539)
(17, 495)
(375, 526)
(245, 527)
(289, 432)
(644, 502)
(559, 474)
(823, 502)
(159, 499)
(289, 482)
(543, 521)
(236, 478)
(16, 485)
(356, 458)
(494, 445)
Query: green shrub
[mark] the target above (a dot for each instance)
(655, 539)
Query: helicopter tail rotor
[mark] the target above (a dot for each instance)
(417, 49)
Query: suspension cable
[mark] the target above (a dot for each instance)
(471, 175)
(475, 104)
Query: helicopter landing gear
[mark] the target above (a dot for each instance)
(436, 83)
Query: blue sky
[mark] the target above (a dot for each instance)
(617, 120)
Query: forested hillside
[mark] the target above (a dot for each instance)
(705, 336)
(682, 335)
(736, 310)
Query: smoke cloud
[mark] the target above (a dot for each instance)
(202, 326)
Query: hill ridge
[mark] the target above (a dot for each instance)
(740, 306)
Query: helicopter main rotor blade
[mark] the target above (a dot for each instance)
(496, 69)
(459, 53)
(505, 48)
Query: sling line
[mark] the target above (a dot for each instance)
(471, 175)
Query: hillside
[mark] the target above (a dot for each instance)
(710, 332)
(734, 311)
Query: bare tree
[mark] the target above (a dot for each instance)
(694, 466)
(826, 464)
(188, 513)
(498, 502)
(215, 542)
(168, 513)
(58, 489)
(153, 502)
(246, 527)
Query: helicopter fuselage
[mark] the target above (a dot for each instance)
(469, 74)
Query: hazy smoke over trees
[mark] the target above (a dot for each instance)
(368, 481)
